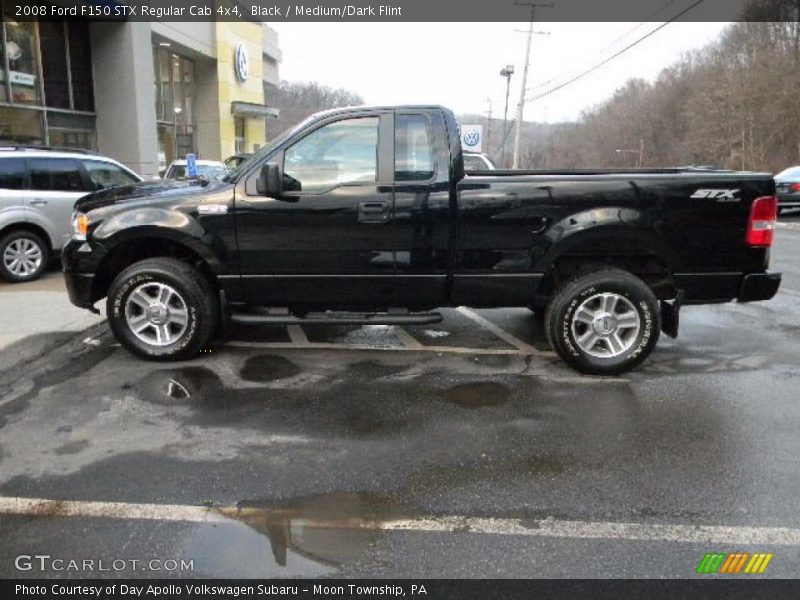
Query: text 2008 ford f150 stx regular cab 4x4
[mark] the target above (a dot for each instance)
(365, 215)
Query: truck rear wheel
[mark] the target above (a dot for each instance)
(603, 323)
(162, 309)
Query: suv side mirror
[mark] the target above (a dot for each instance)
(270, 180)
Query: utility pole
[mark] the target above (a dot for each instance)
(522, 91)
(507, 72)
(489, 129)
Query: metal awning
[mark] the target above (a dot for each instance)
(252, 110)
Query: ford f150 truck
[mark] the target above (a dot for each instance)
(365, 215)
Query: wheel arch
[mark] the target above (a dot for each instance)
(148, 242)
(606, 238)
(30, 228)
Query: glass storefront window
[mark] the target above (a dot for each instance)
(21, 126)
(54, 64)
(80, 65)
(240, 134)
(49, 63)
(23, 63)
(3, 90)
(175, 105)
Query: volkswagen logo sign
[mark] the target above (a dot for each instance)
(241, 62)
(472, 137)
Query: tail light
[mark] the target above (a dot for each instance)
(761, 225)
(795, 187)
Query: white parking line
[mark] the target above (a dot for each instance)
(549, 528)
(788, 292)
(409, 341)
(501, 333)
(297, 335)
(329, 346)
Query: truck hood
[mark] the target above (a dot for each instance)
(149, 191)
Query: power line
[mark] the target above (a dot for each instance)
(609, 45)
(613, 56)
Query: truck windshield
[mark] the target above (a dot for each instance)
(263, 152)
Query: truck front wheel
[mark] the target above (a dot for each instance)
(162, 309)
(603, 323)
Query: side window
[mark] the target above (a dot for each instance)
(55, 175)
(339, 153)
(105, 175)
(413, 149)
(12, 173)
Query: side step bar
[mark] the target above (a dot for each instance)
(336, 318)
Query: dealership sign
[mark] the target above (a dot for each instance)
(241, 62)
(472, 137)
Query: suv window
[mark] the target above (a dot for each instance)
(336, 154)
(56, 175)
(105, 175)
(12, 173)
(413, 150)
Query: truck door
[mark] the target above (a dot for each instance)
(422, 221)
(324, 241)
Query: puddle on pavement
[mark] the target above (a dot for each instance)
(310, 536)
(375, 336)
(177, 386)
(478, 394)
(268, 367)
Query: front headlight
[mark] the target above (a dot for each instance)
(80, 226)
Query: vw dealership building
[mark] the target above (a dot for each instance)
(143, 93)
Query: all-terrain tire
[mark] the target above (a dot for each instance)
(577, 312)
(189, 299)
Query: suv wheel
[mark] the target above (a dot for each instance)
(23, 256)
(162, 309)
(603, 323)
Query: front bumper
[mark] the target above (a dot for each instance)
(759, 286)
(79, 289)
(80, 261)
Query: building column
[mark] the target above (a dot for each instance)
(124, 91)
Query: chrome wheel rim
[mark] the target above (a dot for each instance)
(156, 314)
(606, 325)
(23, 257)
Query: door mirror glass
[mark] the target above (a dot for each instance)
(269, 180)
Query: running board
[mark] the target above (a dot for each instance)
(336, 318)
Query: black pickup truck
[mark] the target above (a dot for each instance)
(365, 215)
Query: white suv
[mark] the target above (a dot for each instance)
(38, 189)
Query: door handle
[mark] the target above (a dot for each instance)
(373, 207)
(38, 202)
(373, 211)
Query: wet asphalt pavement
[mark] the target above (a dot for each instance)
(300, 441)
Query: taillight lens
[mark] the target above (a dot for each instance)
(795, 187)
(761, 226)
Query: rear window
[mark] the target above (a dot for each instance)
(56, 175)
(12, 173)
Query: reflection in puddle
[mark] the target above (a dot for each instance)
(309, 537)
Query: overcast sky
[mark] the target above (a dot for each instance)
(458, 64)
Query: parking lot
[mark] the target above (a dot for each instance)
(461, 449)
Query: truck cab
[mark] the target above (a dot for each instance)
(366, 215)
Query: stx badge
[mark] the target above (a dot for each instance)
(718, 195)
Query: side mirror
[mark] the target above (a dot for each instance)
(270, 180)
